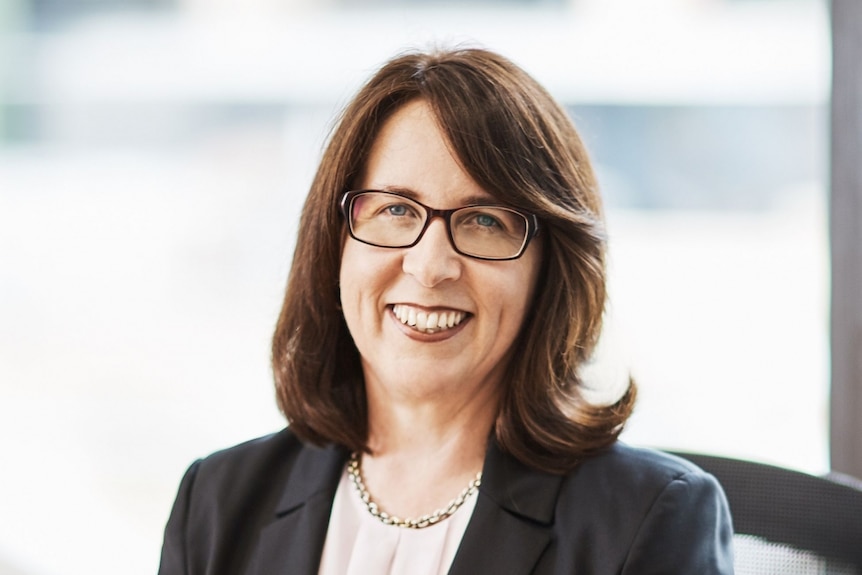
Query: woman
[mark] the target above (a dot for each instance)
(448, 283)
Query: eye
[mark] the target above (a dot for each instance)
(486, 220)
(394, 210)
(397, 210)
(489, 220)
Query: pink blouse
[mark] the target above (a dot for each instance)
(359, 544)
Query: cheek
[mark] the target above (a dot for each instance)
(348, 280)
(520, 307)
(522, 298)
(529, 274)
(508, 297)
(364, 276)
(350, 298)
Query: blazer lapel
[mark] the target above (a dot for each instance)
(511, 524)
(293, 543)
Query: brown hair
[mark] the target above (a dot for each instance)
(517, 143)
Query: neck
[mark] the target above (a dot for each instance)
(424, 452)
(430, 428)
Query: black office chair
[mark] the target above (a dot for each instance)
(787, 522)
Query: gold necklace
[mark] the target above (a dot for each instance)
(355, 473)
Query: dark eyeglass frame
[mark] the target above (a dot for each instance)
(346, 202)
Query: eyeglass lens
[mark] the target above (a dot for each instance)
(391, 220)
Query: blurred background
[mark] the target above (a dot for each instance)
(154, 155)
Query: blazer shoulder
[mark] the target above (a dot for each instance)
(252, 454)
(228, 482)
(640, 466)
(642, 508)
(276, 464)
(228, 499)
(624, 484)
(652, 458)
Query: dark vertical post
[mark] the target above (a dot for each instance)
(846, 238)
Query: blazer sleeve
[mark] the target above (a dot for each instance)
(687, 530)
(174, 557)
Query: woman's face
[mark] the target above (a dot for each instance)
(384, 290)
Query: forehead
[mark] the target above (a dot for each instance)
(412, 155)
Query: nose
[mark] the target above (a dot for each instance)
(433, 260)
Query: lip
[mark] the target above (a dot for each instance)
(428, 337)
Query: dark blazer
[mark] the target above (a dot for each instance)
(262, 508)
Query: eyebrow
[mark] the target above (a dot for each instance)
(481, 200)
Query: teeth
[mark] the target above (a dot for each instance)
(428, 322)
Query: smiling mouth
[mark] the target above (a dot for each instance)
(425, 321)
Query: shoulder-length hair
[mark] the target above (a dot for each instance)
(518, 144)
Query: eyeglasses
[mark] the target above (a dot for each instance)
(391, 220)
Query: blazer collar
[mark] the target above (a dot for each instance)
(509, 529)
(512, 522)
(293, 543)
(316, 470)
(518, 489)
